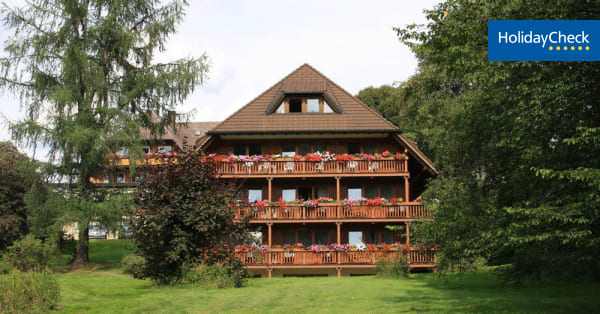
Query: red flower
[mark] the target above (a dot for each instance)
(215, 251)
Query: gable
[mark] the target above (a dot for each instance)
(353, 115)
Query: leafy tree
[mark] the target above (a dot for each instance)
(13, 187)
(395, 103)
(85, 75)
(184, 217)
(513, 142)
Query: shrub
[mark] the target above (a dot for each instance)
(215, 276)
(30, 292)
(183, 211)
(29, 253)
(387, 267)
(133, 264)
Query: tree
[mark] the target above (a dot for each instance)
(85, 75)
(183, 217)
(513, 186)
(13, 187)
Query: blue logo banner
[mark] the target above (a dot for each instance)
(539, 40)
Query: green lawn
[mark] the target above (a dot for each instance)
(107, 290)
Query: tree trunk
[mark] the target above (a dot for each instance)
(82, 256)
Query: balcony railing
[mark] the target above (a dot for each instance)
(272, 257)
(292, 167)
(405, 210)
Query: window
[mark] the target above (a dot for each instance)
(289, 238)
(288, 149)
(353, 148)
(312, 104)
(239, 149)
(320, 147)
(355, 237)
(121, 178)
(371, 192)
(305, 193)
(321, 237)
(326, 107)
(371, 237)
(123, 151)
(322, 192)
(146, 149)
(164, 149)
(288, 195)
(281, 108)
(254, 195)
(296, 105)
(305, 238)
(387, 236)
(354, 194)
(370, 148)
(254, 149)
(387, 192)
(303, 149)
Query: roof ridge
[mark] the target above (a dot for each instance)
(261, 94)
(353, 97)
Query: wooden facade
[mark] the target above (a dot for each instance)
(309, 176)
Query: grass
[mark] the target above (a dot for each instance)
(110, 291)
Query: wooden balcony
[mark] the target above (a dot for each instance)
(290, 168)
(335, 212)
(279, 257)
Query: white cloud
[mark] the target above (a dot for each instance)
(253, 44)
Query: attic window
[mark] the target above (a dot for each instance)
(295, 105)
(313, 104)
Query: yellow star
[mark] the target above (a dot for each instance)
(565, 47)
(579, 48)
(572, 48)
(557, 47)
(550, 48)
(587, 47)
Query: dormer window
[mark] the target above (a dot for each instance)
(313, 104)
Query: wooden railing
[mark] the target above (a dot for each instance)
(336, 211)
(294, 167)
(305, 257)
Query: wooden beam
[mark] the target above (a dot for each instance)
(339, 232)
(337, 187)
(269, 179)
(406, 189)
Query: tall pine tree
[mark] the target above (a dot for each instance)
(85, 75)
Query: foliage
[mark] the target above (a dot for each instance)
(217, 275)
(514, 142)
(183, 215)
(30, 253)
(87, 82)
(387, 267)
(133, 264)
(13, 187)
(29, 292)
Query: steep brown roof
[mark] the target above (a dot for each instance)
(183, 135)
(188, 135)
(355, 116)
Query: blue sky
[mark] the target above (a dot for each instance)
(253, 44)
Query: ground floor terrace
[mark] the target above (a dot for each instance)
(331, 249)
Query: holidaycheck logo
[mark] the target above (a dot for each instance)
(536, 40)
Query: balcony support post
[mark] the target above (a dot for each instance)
(269, 225)
(339, 271)
(337, 187)
(407, 234)
(339, 232)
(406, 190)
(269, 271)
(269, 179)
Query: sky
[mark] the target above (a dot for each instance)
(253, 44)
